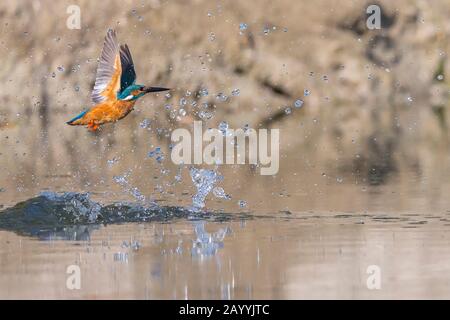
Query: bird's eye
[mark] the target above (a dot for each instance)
(141, 88)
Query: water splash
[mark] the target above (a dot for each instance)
(127, 187)
(72, 216)
(157, 154)
(80, 206)
(220, 193)
(204, 180)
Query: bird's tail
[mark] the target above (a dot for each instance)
(74, 121)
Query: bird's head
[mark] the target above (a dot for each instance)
(135, 91)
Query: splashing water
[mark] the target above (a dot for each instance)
(220, 193)
(204, 180)
(80, 206)
(127, 187)
(157, 154)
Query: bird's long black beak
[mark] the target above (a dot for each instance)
(154, 89)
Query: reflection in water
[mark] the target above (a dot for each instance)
(207, 244)
(299, 256)
(76, 233)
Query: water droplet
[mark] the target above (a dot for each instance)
(77, 88)
(242, 203)
(243, 26)
(306, 92)
(287, 110)
(222, 97)
(182, 112)
(156, 153)
(60, 68)
(145, 124)
(220, 193)
(112, 161)
(339, 179)
(223, 127)
(298, 103)
(235, 92)
(160, 158)
(205, 115)
(410, 99)
(203, 92)
(440, 77)
(212, 36)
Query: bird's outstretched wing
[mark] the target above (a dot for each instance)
(109, 71)
(128, 73)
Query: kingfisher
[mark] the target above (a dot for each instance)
(115, 90)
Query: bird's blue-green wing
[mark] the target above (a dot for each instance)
(128, 76)
(81, 115)
(107, 81)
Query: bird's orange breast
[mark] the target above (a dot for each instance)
(108, 111)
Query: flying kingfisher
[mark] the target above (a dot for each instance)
(115, 91)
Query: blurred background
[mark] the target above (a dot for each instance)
(363, 114)
(376, 103)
